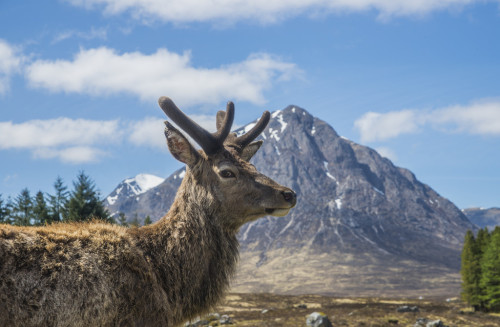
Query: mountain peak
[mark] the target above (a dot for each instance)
(144, 182)
(134, 186)
(292, 112)
(296, 110)
(293, 121)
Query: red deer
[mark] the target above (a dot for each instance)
(99, 274)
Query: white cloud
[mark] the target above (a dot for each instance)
(78, 141)
(149, 131)
(70, 140)
(72, 155)
(480, 118)
(94, 33)
(10, 62)
(103, 71)
(376, 126)
(57, 132)
(264, 11)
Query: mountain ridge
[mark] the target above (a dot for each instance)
(484, 217)
(130, 187)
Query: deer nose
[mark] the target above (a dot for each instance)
(289, 196)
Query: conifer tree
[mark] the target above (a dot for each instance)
(58, 201)
(40, 210)
(84, 203)
(22, 211)
(471, 271)
(4, 211)
(490, 267)
(482, 240)
(147, 220)
(8, 211)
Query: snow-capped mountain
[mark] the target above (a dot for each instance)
(362, 226)
(130, 188)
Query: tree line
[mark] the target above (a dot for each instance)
(80, 204)
(481, 270)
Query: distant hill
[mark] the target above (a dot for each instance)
(362, 226)
(118, 201)
(484, 217)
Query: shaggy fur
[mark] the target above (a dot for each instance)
(98, 274)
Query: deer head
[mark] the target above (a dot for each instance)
(220, 173)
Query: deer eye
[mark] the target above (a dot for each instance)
(226, 173)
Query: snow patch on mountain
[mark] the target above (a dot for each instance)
(282, 122)
(144, 182)
(112, 198)
(325, 164)
(338, 203)
(180, 175)
(134, 186)
(245, 129)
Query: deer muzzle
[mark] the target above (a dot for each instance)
(288, 201)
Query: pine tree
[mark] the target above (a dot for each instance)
(470, 271)
(40, 210)
(4, 211)
(482, 243)
(84, 203)
(490, 278)
(22, 211)
(58, 201)
(8, 207)
(483, 240)
(147, 220)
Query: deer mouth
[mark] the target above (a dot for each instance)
(277, 212)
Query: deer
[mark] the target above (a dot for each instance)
(164, 274)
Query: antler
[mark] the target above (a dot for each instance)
(209, 142)
(252, 134)
(212, 142)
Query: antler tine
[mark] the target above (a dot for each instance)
(245, 139)
(220, 119)
(224, 122)
(205, 139)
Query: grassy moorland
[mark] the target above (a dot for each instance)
(288, 310)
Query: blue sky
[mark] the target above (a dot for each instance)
(416, 80)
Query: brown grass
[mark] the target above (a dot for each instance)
(284, 310)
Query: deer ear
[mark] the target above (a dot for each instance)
(179, 146)
(248, 151)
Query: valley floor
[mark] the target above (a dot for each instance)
(289, 310)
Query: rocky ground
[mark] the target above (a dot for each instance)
(288, 310)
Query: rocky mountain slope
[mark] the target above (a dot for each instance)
(362, 226)
(484, 217)
(119, 200)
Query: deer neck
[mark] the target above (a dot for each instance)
(188, 245)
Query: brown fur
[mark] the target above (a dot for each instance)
(98, 274)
